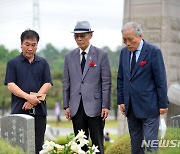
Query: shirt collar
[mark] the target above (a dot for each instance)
(86, 50)
(140, 45)
(22, 57)
(36, 58)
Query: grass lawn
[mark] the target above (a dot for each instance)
(68, 124)
(122, 145)
(111, 123)
(7, 148)
(62, 124)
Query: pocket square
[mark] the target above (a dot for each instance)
(142, 63)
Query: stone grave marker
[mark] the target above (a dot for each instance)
(175, 121)
(18, 129)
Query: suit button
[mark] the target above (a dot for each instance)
(82, 82)
(79, 93)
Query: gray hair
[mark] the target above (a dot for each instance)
(137, 28)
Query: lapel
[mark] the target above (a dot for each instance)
(77, 60)
(142, 56)
(89, 58)
(127, 62)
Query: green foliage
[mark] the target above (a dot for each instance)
(7, 148)
(57, 74)
(171, 134)
(120, 146)
(54, 57)
(113, 56)
(62, 140)
(5, 94)
(171, 151)
(107, 144)
(55, 94)
(70, 137)
(13, 54)
(50, 53)
(5, 55)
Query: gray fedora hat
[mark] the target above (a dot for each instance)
(82, 27)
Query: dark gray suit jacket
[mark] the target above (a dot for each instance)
(94, 85)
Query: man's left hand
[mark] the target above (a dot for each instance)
(163, 110)
(27, 106)
(104, 113)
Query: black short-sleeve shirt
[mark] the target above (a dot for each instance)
(29, 77)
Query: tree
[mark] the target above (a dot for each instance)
(4, 93)
(12, 54)
(3, 54)
(50, 53)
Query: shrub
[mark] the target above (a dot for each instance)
(62, 140)
(120, 146)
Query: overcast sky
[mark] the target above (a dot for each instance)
(57, 20)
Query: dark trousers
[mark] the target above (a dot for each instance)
(90, 125)
(40, 127)
(142, 129)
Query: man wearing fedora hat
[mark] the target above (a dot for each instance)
(87, 86)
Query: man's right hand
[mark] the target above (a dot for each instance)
(122, 109)
(13, 88)
(67, 113)
(32, 99)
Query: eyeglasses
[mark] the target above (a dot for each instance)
(82, 35)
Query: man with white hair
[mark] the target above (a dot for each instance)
(141, 87)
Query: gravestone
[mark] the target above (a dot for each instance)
(175, 121)
(18, 129)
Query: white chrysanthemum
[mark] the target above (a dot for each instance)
(95, 149)
(42, 152)
(80, 151)
(59, 147)
(48, 146)
(82, 142)
(52, 143)
(80, 135)
(75, 147)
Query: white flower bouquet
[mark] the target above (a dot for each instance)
(74, 145)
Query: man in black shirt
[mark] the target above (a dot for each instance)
(29, 73)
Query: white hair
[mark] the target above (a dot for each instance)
(137, 28)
